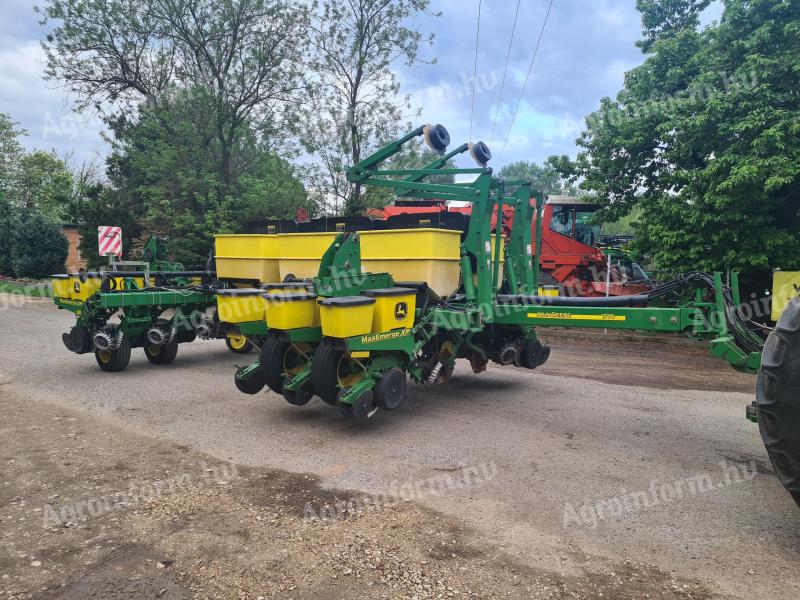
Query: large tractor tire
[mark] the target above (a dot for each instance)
(778, 398)
(114, 360)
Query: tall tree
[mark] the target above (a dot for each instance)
(546, 179)
(45, 185)
(354, 106)
(704, 137)
(242, 54)
(11, 154)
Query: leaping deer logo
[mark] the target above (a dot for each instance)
(401, 310)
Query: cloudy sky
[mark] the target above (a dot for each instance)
(587, 47)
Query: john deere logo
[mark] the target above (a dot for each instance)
(401, 310)
(77, 287)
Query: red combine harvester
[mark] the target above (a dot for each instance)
(572, 258)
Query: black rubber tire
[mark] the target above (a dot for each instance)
(533, 354)
(78, 340)
(186, 336)
(272, 357)
(119, 357)
(778, 398)
(164, 354)
(391, 389)
(251, 386)
(324, 369)
(301, 396)
(362, 408)
(243, 350)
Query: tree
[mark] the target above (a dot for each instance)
(663, 19)
(243, 55)
(45, 185)
(39, 248)
(11, 153)
(545, 179)
(704, 138)
(353, 106)
(9, 223)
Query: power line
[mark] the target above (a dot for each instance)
(475, 69)
(530, 68)
(505, 70)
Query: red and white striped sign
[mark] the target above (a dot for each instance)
(109, 240)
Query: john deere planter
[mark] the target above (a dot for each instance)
(406, 298)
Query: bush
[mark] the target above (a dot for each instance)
(8, 228)
(39, 248)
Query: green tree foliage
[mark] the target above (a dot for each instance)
(546, 179)
(353, 106)
(44, 185)
(11, 154)
(39, 248)
(9, 223)
(705, 139)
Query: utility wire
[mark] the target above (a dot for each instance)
(475, 69)
(505, 71)
(530, 68)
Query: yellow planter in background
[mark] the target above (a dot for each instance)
(347, 316)
(61, 286)
(429, 255)
(394, 308)
(81, 290)
(247, 256)
(300, 253)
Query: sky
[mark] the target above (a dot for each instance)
(586, 48)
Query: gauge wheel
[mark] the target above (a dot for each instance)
(778, 400)
(162, 354)
(391, 389)
(333, 369)
(238, 344)
(252, 385)
(114, 360)
(363, 408)
(281, 358)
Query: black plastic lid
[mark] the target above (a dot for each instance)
(347, 301)
(395, 291)
(236, 292)
(289, 297)
(287, 286)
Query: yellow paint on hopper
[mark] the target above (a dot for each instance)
(785, 286)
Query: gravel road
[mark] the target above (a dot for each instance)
(614, 453)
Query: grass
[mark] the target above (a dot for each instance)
(41, 289)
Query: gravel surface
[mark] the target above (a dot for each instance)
(619, 468)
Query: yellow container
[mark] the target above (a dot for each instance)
(347, 316)
(290, 311)
(247, 256)
(548, 290)
(240, 305)
(284, 288)
(81, 290)
(300, 253)
(61, 286)
(429, 255)
(394, 308)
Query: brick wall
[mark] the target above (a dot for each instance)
(74, 259)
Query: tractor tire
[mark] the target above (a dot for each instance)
(391, 389)
(275, 353)
(115, 360)
(778, 398)
(251, 386)
(239, 344)
(163, 354)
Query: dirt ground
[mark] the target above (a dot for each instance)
(167, 483)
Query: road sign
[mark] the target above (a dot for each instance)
(109, 240)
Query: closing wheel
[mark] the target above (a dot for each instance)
(163, 354)
(778, 401)
(363, 408)
(301, 396)
(280, 358)
(252, 385)
(533, 354)
(114, 360)
(238, 344)
(333, 369)
(391, 389)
